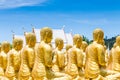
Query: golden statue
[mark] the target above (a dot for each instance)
(27, 57)
(5, 47)
(95, 57)
(75, 62)
(83, 47)
(14, 60)
(59, 56)
(43, 56)
(109, 67)
(42, 69)
(115, 56)
(68, 46)
(114, 61)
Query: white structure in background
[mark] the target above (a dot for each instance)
(57, 33)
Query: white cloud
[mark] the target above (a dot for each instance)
(19, 3)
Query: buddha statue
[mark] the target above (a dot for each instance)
(68, 46)
(14, 60)
(42, 69)
(43, 60)
(114, 60)
(95, 57)
(109, 67)
(83, 47)
(115, 55)
(59, 56)
(75, 59)
(27, 57)
(5, 47)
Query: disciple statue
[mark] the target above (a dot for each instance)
(43, 60)
(75, 62)
(5, 47)
(95, 57)
(114, 61)
(42, 69)
(27, 57)
(14, 60)
(59, 56)
(68, 46)
(109, 67)
(83, 47)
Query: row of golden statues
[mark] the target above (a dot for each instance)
(79, 61)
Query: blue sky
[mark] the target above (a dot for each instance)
(82, 16)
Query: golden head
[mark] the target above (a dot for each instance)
(77, 40)
(68, 46)
(5, 46)
(59, 43)
(98, 35)
(84, 45)
(118, 40)
(17, 43)
(46, 34)
(30, 39)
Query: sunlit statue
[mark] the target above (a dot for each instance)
(59, 56)
(5, 47)
(109, 67)
(68, 46)
(14, 60)
(27, 57)
(115, 61)
(75, 62)
(83, 47)
(42, 69)
(95, 57)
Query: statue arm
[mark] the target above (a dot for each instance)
(4, 62)
(80, 59)
(54, 57)
(66, 59)
(30, 58)
(48, 57)
(101, 57)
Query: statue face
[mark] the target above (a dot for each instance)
(32, 42)
(19, 47)
(78, 42)
(6, 48)
(83, 46)
(61, 45)
(48, 38)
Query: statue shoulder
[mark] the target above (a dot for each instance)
(117, 49)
